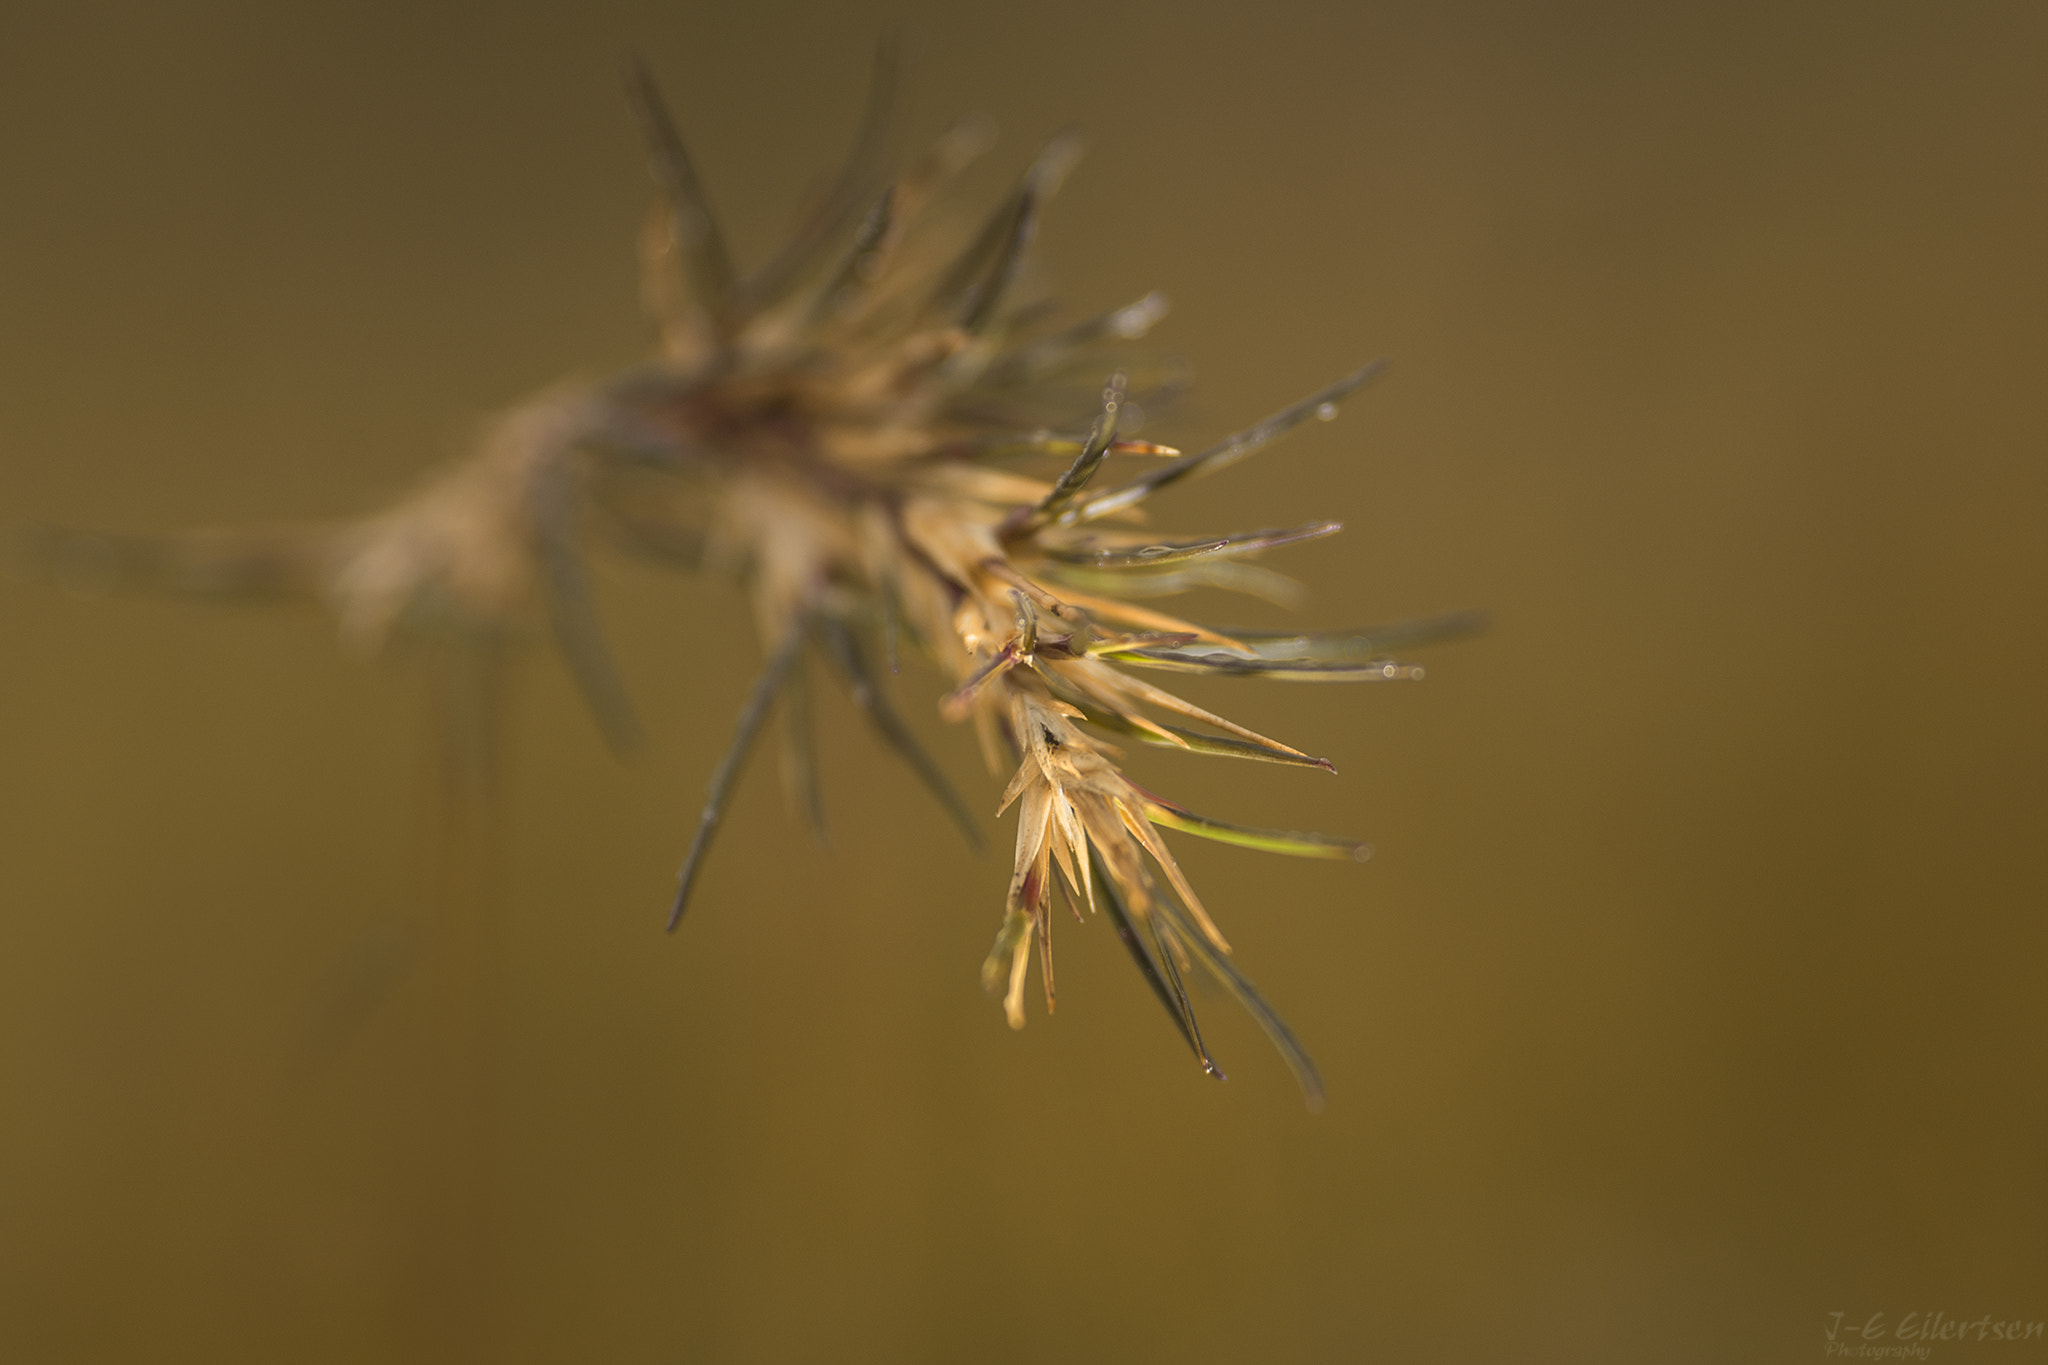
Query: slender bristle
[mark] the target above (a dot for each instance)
(759, 698)
(695, 228)
(867, 694)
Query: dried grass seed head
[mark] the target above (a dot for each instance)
(828, 427)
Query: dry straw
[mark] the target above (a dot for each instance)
(843, 427)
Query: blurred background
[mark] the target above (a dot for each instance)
(1694, 993)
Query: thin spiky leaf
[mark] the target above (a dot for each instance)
(808, 248)
(800, 745)
(1150, 841)
(1068, 486)
(580, 639)
(1032, 363)
(654, 537)
(572, 616)
(697, 235)
(1294, 670)
(1046, 442)
(891, 608)
(978, 312)
(846, 652)
(1156, 381)
(956, 704)
(1109, 714)
(907, 198)
(973, 291)
(1194, 741)
(466, 695)
(1167, 947)
(1321, 404)
(1247, 995)
(1103, 643)
(1160, 811)
(1148, 965)
(1160, 555)
(862, 261)
(1093, 673)
(1366, 642)
(250, 565)
(1064, 685)
(1226, 575)
(727, 776)
(1114, 609)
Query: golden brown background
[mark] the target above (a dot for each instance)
(1694, 995)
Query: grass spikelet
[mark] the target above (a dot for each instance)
(854, 429)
